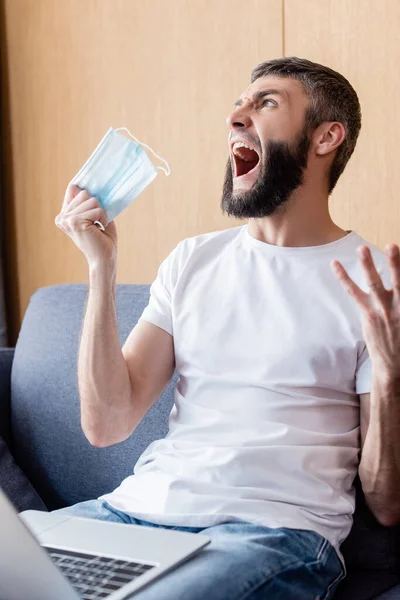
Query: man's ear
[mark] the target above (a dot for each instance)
(328, 137)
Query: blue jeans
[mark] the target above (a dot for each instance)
(244, 561)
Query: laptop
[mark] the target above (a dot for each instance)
(48, 556)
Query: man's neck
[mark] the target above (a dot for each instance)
(291, 232)
(303, 221)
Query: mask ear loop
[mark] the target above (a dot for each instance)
(148, 147)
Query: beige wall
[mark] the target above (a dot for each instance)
(361, 39)
(170, 71)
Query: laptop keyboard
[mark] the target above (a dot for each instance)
(94, 576)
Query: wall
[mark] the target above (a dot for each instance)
(360, 39)
(170, 72)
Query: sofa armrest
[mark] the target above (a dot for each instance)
(6, 360)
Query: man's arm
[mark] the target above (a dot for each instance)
(117, 387)
(379, 468)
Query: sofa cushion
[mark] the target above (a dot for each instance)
(392, 594)
(6, 360)
(365, 585)
(12, 479)
(15, 484)
(371, 545)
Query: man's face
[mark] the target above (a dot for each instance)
(269, 118)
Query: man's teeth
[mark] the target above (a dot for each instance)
(236, 148)
(240, 145)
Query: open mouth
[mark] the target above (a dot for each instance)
(245, 158)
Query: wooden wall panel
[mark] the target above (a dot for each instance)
(361, 40)
(169, 71)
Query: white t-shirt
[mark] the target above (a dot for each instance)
(271, 357)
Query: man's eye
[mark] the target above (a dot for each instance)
(266, 101)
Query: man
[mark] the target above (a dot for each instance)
(283, 357)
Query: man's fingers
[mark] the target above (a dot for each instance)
(72, 202)
(392, 250)
(372, 276)
(81, 222)
(71, 192)
(351, 288)
(81, 209)
(78, 201)
(76, 204)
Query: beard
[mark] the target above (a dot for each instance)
(281, 173)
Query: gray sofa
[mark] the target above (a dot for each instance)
(40, 423)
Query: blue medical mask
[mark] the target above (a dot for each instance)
(117, 171)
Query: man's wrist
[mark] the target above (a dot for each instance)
(102, 275)
(388, 381)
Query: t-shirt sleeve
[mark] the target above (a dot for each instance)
(159, 309)
(364, 373)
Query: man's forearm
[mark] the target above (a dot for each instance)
(380, 461)
(104, 383)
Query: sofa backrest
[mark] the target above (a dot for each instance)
(47, 439)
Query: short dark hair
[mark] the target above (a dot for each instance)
(332, 98)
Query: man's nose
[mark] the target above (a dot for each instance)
(238, 118)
